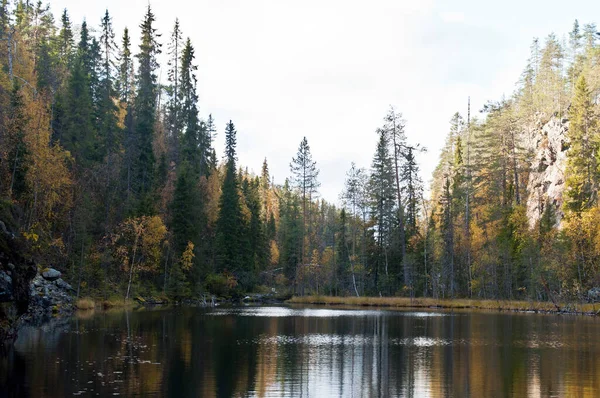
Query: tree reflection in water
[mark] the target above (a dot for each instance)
(309, 352)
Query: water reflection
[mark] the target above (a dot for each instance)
(306, 352)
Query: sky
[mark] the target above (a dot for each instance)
(330, 69)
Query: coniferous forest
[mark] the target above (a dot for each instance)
(112, 177)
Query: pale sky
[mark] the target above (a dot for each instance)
(329, 69)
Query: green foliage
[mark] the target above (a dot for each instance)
(119, 166)
(582, 166)
(221, 285)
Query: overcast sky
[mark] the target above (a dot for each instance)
(330, 69)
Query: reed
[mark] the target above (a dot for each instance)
(407, 302)
(118, 302)
(85, 303)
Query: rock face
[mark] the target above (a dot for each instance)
(547, 180)
(49, 297)
(25, 295)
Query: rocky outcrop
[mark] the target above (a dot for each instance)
(546, 183)
(25, 295)
(49, 298)
(45, 300)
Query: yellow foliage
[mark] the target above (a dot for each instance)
(32, 237)
(48, 175)
(138, 241)
(212, 187)
(274, 253)
(187, 258)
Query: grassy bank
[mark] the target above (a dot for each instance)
(406, 302)
(89, 303)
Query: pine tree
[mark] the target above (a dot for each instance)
(174, 118)
(304, 177)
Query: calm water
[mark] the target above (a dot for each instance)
(306, 352)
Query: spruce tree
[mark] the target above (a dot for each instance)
(194, 145)
(65, 40)
(18, 153)
(145, 113)
(582, 171)
(290, 231)
(186, 210)
(382, 202)
(230, 221)
(4, 19)
(108, 130)
(126, 75)
(78, 126)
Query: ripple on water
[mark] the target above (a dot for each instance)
(278, 312)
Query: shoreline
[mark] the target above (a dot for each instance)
(544, 307)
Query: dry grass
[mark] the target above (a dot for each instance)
(85, 303)
(117, 302)
(399, 302)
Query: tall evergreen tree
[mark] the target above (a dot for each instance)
(230, 220)
(78, 133)
(65, 40)
(126, 75)
(18, 153)
(195, 145)
(145, 112)
(582, 156)
(174, 117)
(290, 231)
(304, 177)
(383, 198)
(107, 110)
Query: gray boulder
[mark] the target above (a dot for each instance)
(51, 274)
(63, 285)
(6, 289)
(594, 294)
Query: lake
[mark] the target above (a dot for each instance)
(305, 352)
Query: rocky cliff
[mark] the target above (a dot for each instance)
(27, 294)
(546, 183)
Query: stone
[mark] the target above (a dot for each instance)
(37, 282)
(51, 274)
(594, 294)
(6, 289)
(62, 284)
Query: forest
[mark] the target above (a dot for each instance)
(111, 176)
